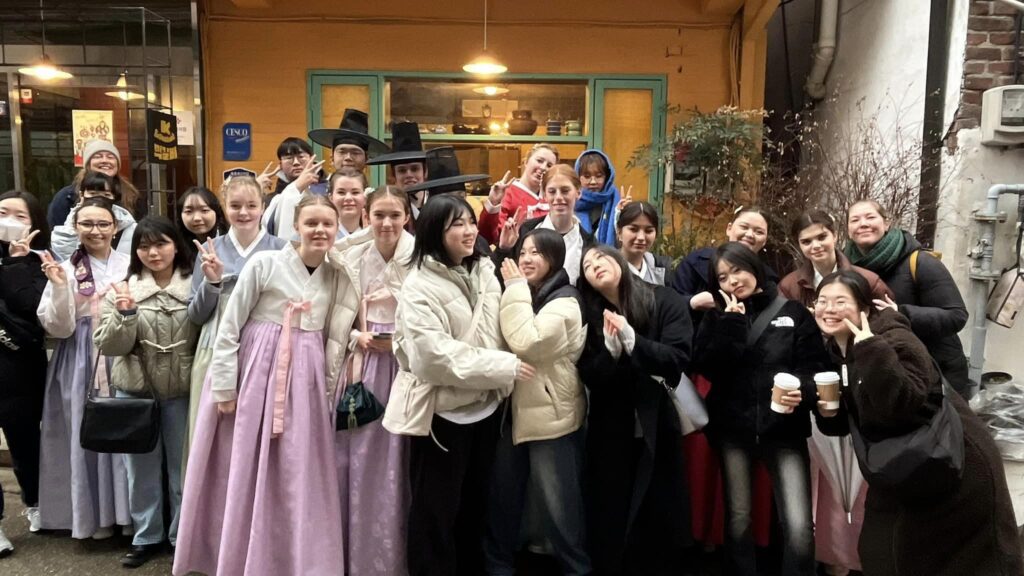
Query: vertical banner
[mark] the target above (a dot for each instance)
(87, 125)
(161, 137)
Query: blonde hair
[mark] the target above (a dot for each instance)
(542, 146)
(560, 170)
(346, 172)
(309, 199)
(240, 184)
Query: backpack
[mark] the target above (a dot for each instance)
(913, 261)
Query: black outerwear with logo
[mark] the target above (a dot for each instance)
(742, 376)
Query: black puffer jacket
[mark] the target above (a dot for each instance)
(934, 306)
(22, 355)
(739, 404)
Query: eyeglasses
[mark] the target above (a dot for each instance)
(837, 305)
(102, 225)
(292, 158)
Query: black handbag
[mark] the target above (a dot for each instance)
(927, 459)
(357, 406)
(113, 425)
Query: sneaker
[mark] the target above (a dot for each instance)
(103, 533)
(138, 555)
(5, 545)
(33, 518)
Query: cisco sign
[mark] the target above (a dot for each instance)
(237, 141)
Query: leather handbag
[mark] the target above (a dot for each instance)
(929, 457)
(112, 425)
(693, 416)
(357, 405)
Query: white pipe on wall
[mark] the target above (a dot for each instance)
(1014, 3)
(824, 49)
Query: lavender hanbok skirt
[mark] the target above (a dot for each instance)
(373, 479)
(79, 490)
(281, 514)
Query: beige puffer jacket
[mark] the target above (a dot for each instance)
(158, 338)
(432, 314)
(553, 403)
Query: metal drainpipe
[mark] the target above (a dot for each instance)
(933, 123)
(982, 275)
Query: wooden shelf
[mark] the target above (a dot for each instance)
(503, 138)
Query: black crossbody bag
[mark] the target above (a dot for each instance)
(112, 425)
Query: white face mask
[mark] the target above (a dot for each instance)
(12, 229)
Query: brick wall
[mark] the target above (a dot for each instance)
(989, 60)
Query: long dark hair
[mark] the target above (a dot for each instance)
(812, 218)
(857, 284)
(220, 224)
(36, 214)
(550, 246)
(152, 229)
(636, 297)
(741, 256)
(435, 219)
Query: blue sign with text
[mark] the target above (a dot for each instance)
(237, 141)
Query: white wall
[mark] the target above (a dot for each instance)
(880, 64)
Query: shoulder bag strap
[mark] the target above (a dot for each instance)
(762, 321)
(913, 265)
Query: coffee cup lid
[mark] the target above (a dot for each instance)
(788, 381)
(826, 377)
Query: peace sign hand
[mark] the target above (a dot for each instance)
(54, 272)
(21, 247)
(887, 303)
(732, 304)
(862, 332)
(626, 199)
(309, 175)
(123, 297)
(509, 234)
(497, 193)
(264, 178)
(510, 271)
(212, 267)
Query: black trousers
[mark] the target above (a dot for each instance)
(449, 497)
(22, 434)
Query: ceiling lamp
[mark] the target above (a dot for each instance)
(123, 91)
(44, 68)
(485, 64)
(490, 90)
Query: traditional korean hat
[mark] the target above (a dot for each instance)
(443, 169)
(354, 129)
(406, 146)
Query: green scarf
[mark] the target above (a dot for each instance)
(469, 280)
(881, 256)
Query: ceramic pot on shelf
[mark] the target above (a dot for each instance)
(522, 123)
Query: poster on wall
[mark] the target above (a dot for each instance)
(237, 141)
(186, 127)
(161, 137)
(87, 125)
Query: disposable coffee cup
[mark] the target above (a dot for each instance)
(828, 389)
(784, 383)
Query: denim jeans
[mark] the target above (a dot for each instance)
(789, 469)
(145, 476)
(553, 469)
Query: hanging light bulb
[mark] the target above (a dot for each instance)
(485, 64)
(122, 89)
(44, 69)
(490, 90)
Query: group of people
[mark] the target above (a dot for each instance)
(382, 381)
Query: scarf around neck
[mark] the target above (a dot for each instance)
(607, 199)
(881, 256)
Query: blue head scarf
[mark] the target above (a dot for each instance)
(607, 199)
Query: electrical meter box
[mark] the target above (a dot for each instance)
(1002, 116)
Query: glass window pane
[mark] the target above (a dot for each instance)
(627, 126)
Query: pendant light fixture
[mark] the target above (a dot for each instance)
(122, 90)
(44, 68)
(490, 90)
(485, 64)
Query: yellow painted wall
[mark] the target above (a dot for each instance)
(256, 58)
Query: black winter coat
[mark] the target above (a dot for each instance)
(925, 530)
(742, 376)
(638, 506)
(691, 277)
(22, 353)
(934, 306)
(499, 255)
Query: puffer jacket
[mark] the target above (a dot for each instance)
(155, 342)
(551, 339)
(348, 295)
(432, 314)
(64, 239)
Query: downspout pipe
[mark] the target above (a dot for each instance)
(933, 124)
(982, 274)
(824, 50)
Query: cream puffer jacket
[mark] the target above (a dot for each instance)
(553, 403)
(348, 295)
(432, 314)
(157, 337)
